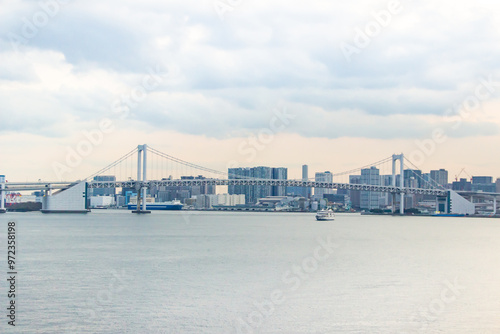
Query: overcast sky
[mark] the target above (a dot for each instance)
(353, 82)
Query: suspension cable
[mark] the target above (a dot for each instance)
(113, 164)
(198, 167)
(421, 178)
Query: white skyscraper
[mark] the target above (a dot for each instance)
(323, 177)
(306, 192)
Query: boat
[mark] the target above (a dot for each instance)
(449, 215)
(172, 205)
(325, 215)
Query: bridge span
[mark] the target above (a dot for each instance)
(265, 182)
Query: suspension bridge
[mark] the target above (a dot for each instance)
(145, 168)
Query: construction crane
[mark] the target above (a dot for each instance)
(463, 171)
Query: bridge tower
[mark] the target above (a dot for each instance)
(2, 194)
(142, 178)
(401, 159)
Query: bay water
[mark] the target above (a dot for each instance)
(111, 271)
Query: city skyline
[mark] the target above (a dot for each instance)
(295, 172)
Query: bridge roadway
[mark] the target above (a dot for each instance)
(264, 182)
(30, 186)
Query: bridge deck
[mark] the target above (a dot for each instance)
(265, 182)
(32, 186)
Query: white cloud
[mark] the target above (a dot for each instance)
(225, 77)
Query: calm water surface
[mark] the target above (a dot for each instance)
(172, 272)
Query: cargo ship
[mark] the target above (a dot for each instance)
(172, 205)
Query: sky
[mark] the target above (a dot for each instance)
(332, 84)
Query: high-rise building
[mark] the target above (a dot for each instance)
(386, 180)
(305, 172)
(498, 185)
(462, 185)
(385, 198)
(355, 195)
(104, 191)
(240, 174)
(484, 184)
(305, 177)
(262, 191)
(482, 180)
(253, 193)
(301, 191)
(279, 173)
(323, 177)
(439, 177)
(413, 178)
(427, 182)
(370, 199)
(199, 190)
(181, 193)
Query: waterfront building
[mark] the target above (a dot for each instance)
(102, 201)
(385, 199)
(253, 193)
(301, 191)
(338, 200)
(439, 177)
(121, 201)
(413, 178)
(104, 191)
(427, 182)
(323, 177)
(295, 191)
(230, 200)
(462, 185)
(279, 173)
(237, 174)
(306, 192)
(482, 180)
(211, 201)
(370, 199)
(181, 193)
(484, 184)
(262, 191)
(355, 195)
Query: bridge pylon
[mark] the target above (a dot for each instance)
(2, 194)
(401, 159)
(142, 179)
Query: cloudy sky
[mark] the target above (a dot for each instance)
(332, 84)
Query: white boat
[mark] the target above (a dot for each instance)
(325, 215)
